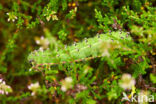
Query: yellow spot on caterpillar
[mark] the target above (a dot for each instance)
(153, 53)
(108, 81)
(150, 66)
(55, 88)
(142, 8)
(69, 4)
(73, 4)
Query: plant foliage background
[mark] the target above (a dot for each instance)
(76, 51)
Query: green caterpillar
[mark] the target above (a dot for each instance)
(87, 49)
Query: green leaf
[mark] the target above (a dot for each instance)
(90, 101)
(153, 78)
(64, 4)
(1, 7)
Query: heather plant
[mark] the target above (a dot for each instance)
(77, 51)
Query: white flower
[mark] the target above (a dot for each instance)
(68, 79)
(12, 16)
(43, 42)
(127, 81)
(30, 70)
(33, 93)
(42, 37)
(8, 19)
(37, 41)
(1, 80)
(41, 49)
(4, 89)
(67, 84)
(63, 88)
(34, 87)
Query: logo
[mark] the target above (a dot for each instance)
(138, 98)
